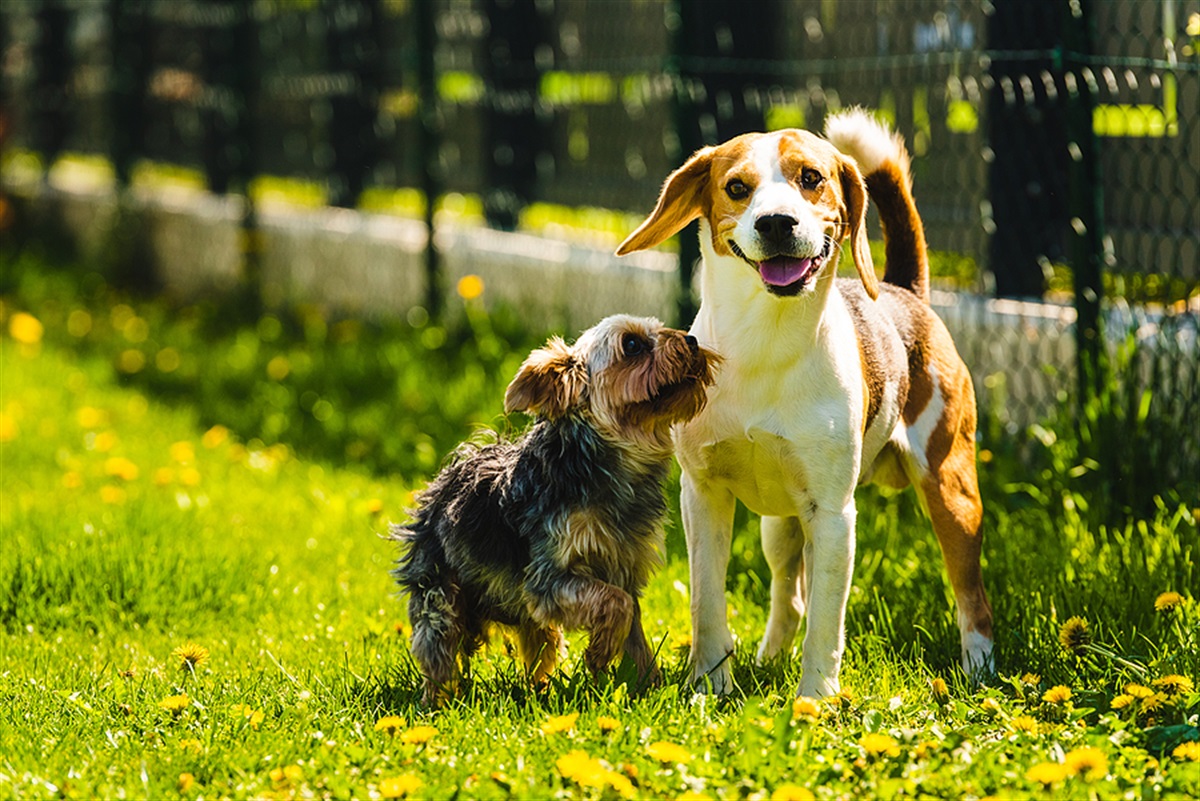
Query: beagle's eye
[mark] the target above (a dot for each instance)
(633, 345)
(810, 178)
(737, 189)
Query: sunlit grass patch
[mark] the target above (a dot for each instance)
(195, 600)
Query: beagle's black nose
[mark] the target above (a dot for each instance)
(775, 227)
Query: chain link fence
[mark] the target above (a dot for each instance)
(1055, 142)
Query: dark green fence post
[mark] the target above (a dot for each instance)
(52, 71)
(515, 135)
(356, 64)
(428, 144)
(1026, 181)
(681, 66)
(129, 43)
(1086, 200)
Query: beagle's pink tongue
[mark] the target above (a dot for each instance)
(783, 270)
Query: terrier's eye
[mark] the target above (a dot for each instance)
(810, 178)
(737, 189)
(632, 345)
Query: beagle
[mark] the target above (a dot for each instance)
(827, 383)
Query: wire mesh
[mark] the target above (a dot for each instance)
(1054, 143)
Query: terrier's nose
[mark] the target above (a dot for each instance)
(692, 343)
(775, 226)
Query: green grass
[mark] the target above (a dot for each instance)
(263, 546)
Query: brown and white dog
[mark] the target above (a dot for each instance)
(827, 384)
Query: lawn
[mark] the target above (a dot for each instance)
(195, 599)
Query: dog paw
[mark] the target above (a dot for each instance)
(818, 687)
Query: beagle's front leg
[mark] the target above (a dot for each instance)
(831, 534)
(708, 527)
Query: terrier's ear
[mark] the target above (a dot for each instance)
(549, 383)
(680, 202)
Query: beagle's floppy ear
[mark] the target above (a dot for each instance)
(854, 192)
(680, 202)
(549, 383)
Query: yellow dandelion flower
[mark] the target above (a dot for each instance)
(806, 709)
(25, 328)
(1024, 724)
(186, 782)
(470, 287)
(1046, 773)
(991, 706)
(1168, 600)
(1088, 763)
(189, 656)
(104, 442)
(560, 723)
(582, 769)
(607, 724)
(214, 437)
(390, 724)
(1059, 694)
(8, 428)
(279, 368)
(621, 784)
(926, 748)
(1120, 702)
(182, 452)
(374, 506)
(1031, 679)
(189, 476)
(876, 744)
(1155, 702)
(791, 792)
(941, 693)
(1074, 634)
(175, 703)
(668, 753)
(400, 786)
(164, 476)
(1139, 691)
(293, 773)
(90, 417)
(72, 480)
(1174, 685)
(191, 745)
(122, 468)
(248, 713)
(1187, 752)
(131, 361)
(418, 735)
(693, 795)
(111, 495)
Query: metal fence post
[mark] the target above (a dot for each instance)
(52, 70)
(1086, 200)
(128, 42)
(687, 136)
(428, 145)
(356, 62)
